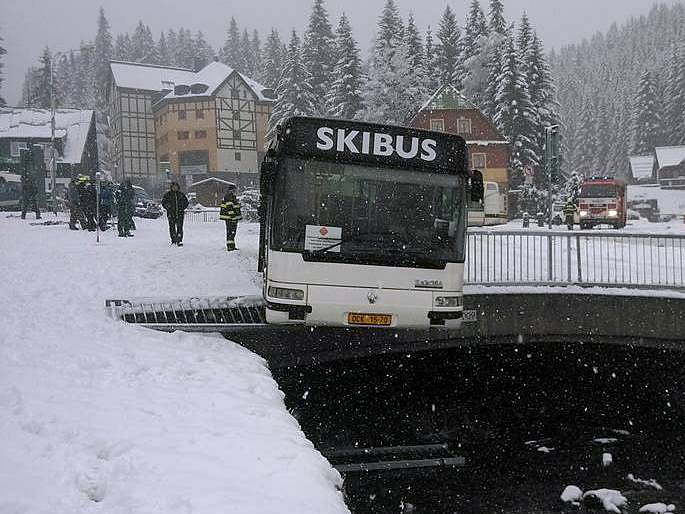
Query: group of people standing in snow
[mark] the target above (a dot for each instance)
(85, 200)
(82, 197)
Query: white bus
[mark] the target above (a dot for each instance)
(363, 225)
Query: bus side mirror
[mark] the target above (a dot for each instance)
(477, 186)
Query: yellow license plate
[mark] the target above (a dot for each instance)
(383, 320)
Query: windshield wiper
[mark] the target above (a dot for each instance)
(325, 249)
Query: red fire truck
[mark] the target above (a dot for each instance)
(602, 200)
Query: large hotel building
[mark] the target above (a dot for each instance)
(175, 123)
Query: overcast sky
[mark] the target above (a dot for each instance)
(28, 26)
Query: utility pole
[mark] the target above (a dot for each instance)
(552, 157)
(53, 156)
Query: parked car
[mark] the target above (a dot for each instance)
(145, 207)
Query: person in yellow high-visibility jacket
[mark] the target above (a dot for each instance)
(230, 213)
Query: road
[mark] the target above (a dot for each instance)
(525, 417)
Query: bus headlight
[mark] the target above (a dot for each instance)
(613, 213)
(583, 214)
(448, 301)
(286, 294)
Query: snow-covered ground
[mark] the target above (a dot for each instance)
(641, 226)
(99, 416)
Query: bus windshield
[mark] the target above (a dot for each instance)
(598, 191)
(376, 215)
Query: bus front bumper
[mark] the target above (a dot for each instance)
(359, 307)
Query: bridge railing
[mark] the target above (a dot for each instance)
(575, 258)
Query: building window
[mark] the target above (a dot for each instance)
(479, 161)
(199, 115)
(237, 156)
(235, 93)
(438, 125)
(16, 147)
(200, 134)
(181, 115)
(182, 134)
(236, 115)
(463, 126)
(236, 134)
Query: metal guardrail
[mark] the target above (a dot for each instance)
(202, 216)
(575, 258)
(212, 313)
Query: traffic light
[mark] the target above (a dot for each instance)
(553, 152)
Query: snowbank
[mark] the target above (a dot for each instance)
(99, 416)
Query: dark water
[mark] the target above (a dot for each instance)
(497, 405)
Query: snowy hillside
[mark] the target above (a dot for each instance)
(102, 417)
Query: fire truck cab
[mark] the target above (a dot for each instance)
(602, 200)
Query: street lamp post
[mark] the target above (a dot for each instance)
(53, 157)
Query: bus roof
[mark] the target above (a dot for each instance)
(373, 144)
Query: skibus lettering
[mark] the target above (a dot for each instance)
(377, 143)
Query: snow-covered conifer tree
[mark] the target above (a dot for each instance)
(345, 97)
(494, 70)
(450, 66)
(272, 63)
(103, 54)
(64, 80)
(674, 101)
(294, 91)
(647, 131)
(204, 53)
(185, 54)
(29, 89)
(122, 47)
(432, 81)
(390, 32)
(476, 53)
(319, 53)
(497, 23)
(542, 91)
(143, 47)
(414, 45)
(163, 51)
(247, 54)
(256, 47)
(476, 27)
(231, 54)
(514, 115)
(43, 83)
(86, 85)
(172, 44)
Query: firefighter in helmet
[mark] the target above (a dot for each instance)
(569, 213)
(230, 213)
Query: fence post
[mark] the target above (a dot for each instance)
(568, 259)
(549, 258)
(578, 263)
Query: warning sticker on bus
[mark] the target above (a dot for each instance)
(324, 238)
